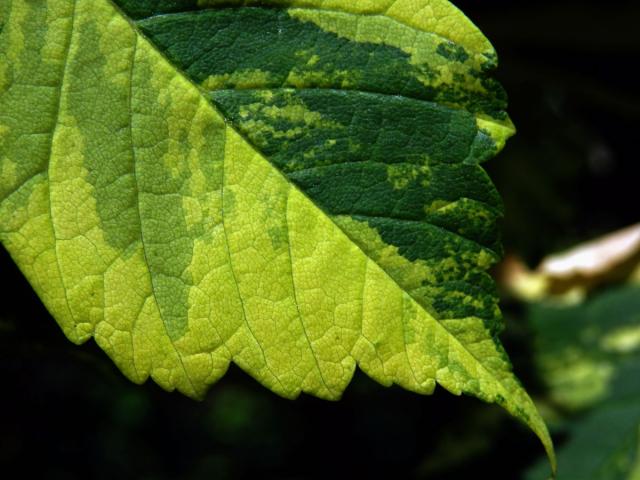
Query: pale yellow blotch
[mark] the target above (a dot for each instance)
(54, 49)
(295, 113)
(266, 95)
(485, 259)
(72, 198)
(202, 205)
(178, 104)
(240, 80)
(622, 340)
(298, 113)
(113, 36)
(401, 175)
(499, 131)
(265, 128)
(436, 205)
(216, 82)
(302, 78)
(4, 73)
(8, 168)
(215, 309)
(14, 47)
(193, 214)
(308, 54)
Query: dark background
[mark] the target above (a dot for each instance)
(65, 411)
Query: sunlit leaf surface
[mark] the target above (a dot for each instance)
(294, 186)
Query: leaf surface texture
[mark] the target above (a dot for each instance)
(294, 186)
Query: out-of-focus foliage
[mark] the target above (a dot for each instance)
(570, 275)
(589, 357)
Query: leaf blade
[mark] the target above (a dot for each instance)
(151, 292)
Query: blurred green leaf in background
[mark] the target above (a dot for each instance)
(589, 357)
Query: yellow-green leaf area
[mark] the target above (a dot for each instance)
(381, 125)
(144, 218)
